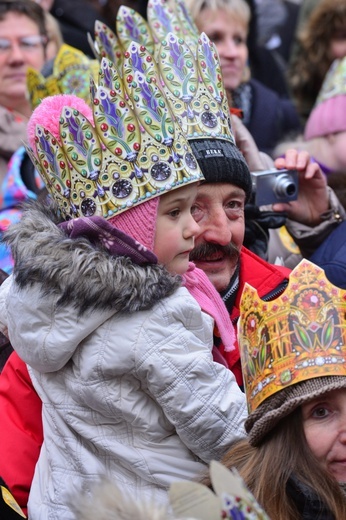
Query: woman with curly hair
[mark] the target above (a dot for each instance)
(321, 40)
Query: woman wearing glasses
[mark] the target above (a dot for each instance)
(22, 43)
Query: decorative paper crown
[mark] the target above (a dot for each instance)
(187, 63)
(300, 335)
(334, 83)
(131, 150)
(71, 75)
(231, 500)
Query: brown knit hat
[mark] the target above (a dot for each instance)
(262, 420)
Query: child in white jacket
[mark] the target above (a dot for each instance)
(118, 350)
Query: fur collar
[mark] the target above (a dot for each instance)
(78, 272)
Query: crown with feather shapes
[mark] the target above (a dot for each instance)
(230, 499)
(128, 150)
(186, 61)
(70, 75)
(334, 83)
(298, 336)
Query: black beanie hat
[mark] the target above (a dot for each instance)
(221, 161)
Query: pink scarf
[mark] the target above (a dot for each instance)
(199, 286)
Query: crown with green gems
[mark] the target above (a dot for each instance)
(298, 336)
(187, 64)
(130, 150)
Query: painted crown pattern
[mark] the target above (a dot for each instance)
(186, 61)
(298, 336)
(71, 74)
(131, 150)
(335, 81)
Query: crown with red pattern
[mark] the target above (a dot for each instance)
(298, 336)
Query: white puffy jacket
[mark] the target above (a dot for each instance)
(128, 383)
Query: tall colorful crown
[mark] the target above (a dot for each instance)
(187, 63)
(70, 75)
(298, 336)
(130, 150)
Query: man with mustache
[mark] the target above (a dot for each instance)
(219, 250)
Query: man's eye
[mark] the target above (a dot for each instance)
(197, 213)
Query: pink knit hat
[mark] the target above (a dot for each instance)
(139, 222)
(329, 113)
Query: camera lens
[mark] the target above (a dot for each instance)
(285, 186)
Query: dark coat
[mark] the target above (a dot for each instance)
(331, 256)
(307, 502)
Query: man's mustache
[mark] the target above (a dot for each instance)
(208, 250)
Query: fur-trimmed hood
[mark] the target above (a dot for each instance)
(78, 272)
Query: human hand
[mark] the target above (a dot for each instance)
(313, 197)
(247, 145)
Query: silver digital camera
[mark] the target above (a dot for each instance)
(273, 186)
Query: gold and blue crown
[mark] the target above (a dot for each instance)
(298, 336)
(70, 74)
(186, 62)
(129, 151)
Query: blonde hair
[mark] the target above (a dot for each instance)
(238, 8)
(54, 36)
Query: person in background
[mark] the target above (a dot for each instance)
(55, 39)
(325, 130)
(69, 72)
(267, 116)
(23, 39)
(293, 358)
(320, 40)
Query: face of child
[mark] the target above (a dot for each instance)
(229, 34)
(176, 229)
(324, 423)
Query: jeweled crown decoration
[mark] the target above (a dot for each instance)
(71, 74)
(186, 61)
(230, 499)
(298, 336)
(334, 83)
(129, 151)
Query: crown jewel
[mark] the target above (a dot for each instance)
(298, 336)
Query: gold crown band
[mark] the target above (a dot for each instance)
(298, 336)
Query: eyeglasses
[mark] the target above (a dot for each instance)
(26, 44)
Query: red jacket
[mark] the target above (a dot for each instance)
(267, 279)
(21, 433)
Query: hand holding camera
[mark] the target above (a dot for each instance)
(274, 186)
